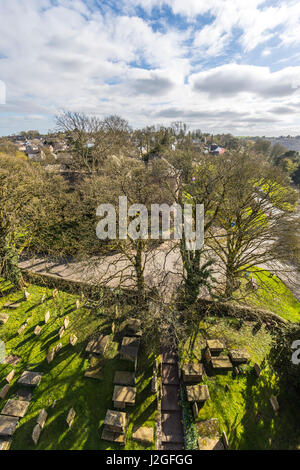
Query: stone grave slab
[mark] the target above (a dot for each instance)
(12, 306)
(97, 346)
(22, 328)
(170, 374)
(66, 322)
(115, 421)
(30, 379)
(61, 332)
(124, 378)
(130, 348)
(16, 408)
(274, 403)
(123, 396)
(192, 372)
(208, 443)
(221, 363)
(47, 317)
(197, 393)
(24, 394)
(13, 360)
(5, 444)
(4, 391)
(170, 398)
(215, 346)
(117, 438)
(37, 330)
(143, 434)
(8, 425)
(3, 318)
(239, 356)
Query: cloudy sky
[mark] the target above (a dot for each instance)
(221, 66)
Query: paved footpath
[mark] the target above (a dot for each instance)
(171, 410)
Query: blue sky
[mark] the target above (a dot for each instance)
(221, 66)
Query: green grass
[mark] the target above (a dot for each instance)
(244, 411)
(63, 379)
(272, 294)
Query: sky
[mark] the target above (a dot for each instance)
(218, 65)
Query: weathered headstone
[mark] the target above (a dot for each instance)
(16, 408)
(50, 356)
(22, 328)
(36, 433)
(10, 376)
(30, 379)
(8, 425)
(66, 322)
(55, 293)
(3, 318)
(4, 391)
(225, 440)
(70, 417)
(61, 332)
(47, 316)
(274, 403)
(43, 298)
(77, 304)
(257, 370)
(26, 295)
(41, 419)
(58, 347)
(37, 330)
(195, 410)
(73, 339)
(5, 443)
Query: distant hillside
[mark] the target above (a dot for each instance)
(290, 143)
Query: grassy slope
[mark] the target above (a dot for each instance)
(244, 411)
(63, 379)
(272, 294)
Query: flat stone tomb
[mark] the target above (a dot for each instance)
(239, 356)
(30, 379)
(24, 394)
(117, 438)
(124, 396)
(8, 425)
(192, 372)
(97, 346)
(3, 318)
(124, 378)
(143, 434)
(215, 346)
(130, 348)
(208, 443)
(115, 421)
(16, 408)
(221, 363)
(197, 393)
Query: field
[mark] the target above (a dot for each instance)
(63, 381)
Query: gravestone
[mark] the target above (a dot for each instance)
(257, 370)
(225, 440)
(215, 346)
(50, 356)
(97, 346)
(36, 433)
(195, 410)
(58, 347)
(77, 304)
(55, 293)
(22, 328)
(70, 417)
(197, 393)
(73, 339)
(24, 394)
(47, 316)
(26, 295)
(66, 322)
(274, 403)
(41, 419)
(4, 391)
(115, 421)
(37, 330)
(192, 372)
(3, 318)
(124, 395)
(5, 443)
(61, 332)
(239, 356)
(10, 376)
(116, 438)
(208, 443)
(43, 298)
(221, 363)
(207, 356)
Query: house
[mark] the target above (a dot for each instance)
(216, 149)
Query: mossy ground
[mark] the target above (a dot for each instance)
(63, 379)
